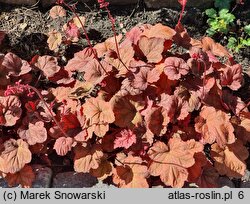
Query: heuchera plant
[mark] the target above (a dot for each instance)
(141, 116)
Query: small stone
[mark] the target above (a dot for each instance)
(245, 184)
(43, 176)
(100, 184)
(73, 180)
(246, 176)
(225, 182)
(3, 183)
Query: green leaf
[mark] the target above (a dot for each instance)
(228, 17)
(247, 29)
(246, 42)
(211, 13)
(232, 43)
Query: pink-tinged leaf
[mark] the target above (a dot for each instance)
(175, 68)
(109, 44)
(72, 31)
(63, 145)
(48, 65)
(125, 138)
(36, 133)
(10, 110)
(15, 65)
(80, 60)
(94, 71)
(151, 48)
(176, 107)
(232, 77)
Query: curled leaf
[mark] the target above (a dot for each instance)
(36, 133)
(63, 145)
(175, 68)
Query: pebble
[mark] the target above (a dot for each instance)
(225, 182)
(43, 176)
(100, 184)
(245, 184)
(73, 180)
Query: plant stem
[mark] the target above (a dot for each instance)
(86, 35)
(48, 108)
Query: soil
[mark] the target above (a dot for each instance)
(28, 28)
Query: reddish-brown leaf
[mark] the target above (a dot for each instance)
(2, 36)
(104, 170)
(232, 77)
(25, 177)
(176, 107)
(156, 119)
(126, 111)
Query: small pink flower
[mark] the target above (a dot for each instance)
(103, 4)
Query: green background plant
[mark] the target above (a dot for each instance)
(219, 22)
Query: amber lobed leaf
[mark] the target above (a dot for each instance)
(214, 125)
(132, 174)
(171, 161)
(87, 158)
(230, 159)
